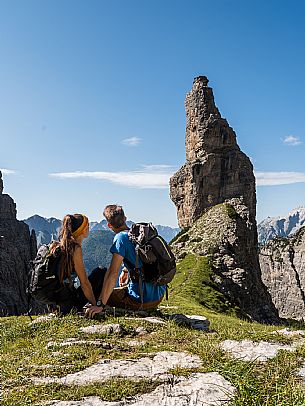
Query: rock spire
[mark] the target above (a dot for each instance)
(214, 192)
(216, 169)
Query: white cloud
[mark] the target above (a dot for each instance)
(157, 177)
(7, 171)
(291, 140)
(151, 177)
(157, 167)
(131, 142)
(279, 178)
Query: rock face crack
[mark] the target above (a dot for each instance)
(291, 255)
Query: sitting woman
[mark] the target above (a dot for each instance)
(75, 228)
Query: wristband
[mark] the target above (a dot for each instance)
(99, 303)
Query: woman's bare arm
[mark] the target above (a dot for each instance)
(82, 275)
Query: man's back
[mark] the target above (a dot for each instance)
(124, 247)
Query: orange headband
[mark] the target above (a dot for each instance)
(81, 228)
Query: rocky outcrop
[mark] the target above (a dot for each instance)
(214, 193)
(222, 235)
(17, 248)
(216, 169)
(282, 262)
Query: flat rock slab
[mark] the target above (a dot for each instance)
(301, 373)
(153, 320)
(44, 319)
(135, 343)
(74, 341)
(117, 311)
(208, 389)
(102, 329)
(248, 350)
(141, 331)
(154, 367)
(289, 333)
(193, 321)
(87, 401)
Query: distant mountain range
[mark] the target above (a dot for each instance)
(96, 246)
(273, 227)
(47, 229)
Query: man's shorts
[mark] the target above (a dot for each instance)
(120, 298)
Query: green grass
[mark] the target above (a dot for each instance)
(194, 283)
(24, 355)
(24, 346)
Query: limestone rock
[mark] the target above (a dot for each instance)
(289, 333)
(218, 173)
(135, 343)
(215, 169)
(195, 322)
(44, 319)
(74, 341)
(154, 367)
(200, 389)
(17, 248)
(301, 373)
(153, 320)
(102, 329)
(225, 234)
(282, 264)
(141, 331)
(248, 350)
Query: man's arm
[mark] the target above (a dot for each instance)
(111, 277)
(108, 285)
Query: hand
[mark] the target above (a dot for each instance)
(91, 311)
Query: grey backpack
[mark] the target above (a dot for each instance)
(159, 264)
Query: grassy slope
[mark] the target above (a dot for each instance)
(23, 352)
(194, 284)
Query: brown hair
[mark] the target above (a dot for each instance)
(115, 215)
(67, 242)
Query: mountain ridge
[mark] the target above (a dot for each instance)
(48, 228)
(281, 226)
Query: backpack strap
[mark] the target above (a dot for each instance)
(139, 272)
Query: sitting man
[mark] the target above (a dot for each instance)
(123, 251)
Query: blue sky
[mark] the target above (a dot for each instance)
(96, 90)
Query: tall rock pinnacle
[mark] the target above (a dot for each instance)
(214, 192)
(216, 169)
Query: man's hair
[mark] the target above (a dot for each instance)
(115, 215)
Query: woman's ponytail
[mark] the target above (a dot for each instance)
(68, 245)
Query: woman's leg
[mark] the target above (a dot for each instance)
(96, 278)
(66, 299)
